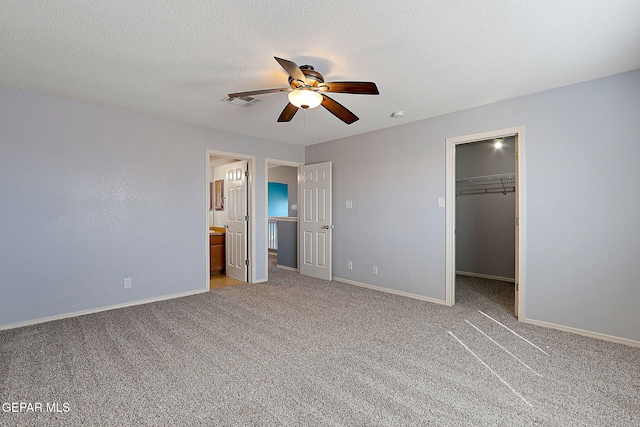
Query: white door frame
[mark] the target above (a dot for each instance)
(267, 162)
(450, 210)
(251, 250)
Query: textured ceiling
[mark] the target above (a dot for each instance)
(178, 59)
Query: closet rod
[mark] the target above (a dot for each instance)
(486, 191)
(487, 178)
(498, 183)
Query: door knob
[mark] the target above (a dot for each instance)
(328, 227)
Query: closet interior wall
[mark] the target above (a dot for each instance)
(485, 209)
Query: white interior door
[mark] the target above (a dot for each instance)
(314, 219)
(235, 184)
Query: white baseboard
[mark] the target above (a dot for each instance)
(390, 291)
(577, 331)
(486, 276)
(286, 267)
(99, 309)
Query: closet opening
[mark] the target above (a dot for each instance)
(484, 223)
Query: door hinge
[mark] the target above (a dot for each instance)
(517, 287)
(246, 262)
(246, 174)
(246, 217)
(517, 220)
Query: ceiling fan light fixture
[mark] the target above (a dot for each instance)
(305, 98)
(307, 90)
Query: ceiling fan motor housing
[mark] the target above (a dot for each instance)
(313, 77)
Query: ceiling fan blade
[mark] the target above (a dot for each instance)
(338, 110)
(258, 92)
(361, 88)
(287, 114)
(292, 68)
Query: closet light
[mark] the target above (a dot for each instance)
(498, 144)
(305, 98)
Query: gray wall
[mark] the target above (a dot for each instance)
(288, 243)
(582, 204)
(91, 195)
(485, 223)
(287, 175)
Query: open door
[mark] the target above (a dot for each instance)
(314, 220)
(235, 184)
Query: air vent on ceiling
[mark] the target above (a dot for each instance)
(242, 101)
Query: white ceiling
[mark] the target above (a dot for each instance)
(179, 58)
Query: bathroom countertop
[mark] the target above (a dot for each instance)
(216, 231)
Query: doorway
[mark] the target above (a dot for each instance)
(230, 219)
(281, 248)
(518, 185)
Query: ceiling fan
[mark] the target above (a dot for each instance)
(308, 91)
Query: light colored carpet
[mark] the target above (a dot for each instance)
(298, 351)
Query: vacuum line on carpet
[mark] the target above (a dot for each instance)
(514, 333)
(499, 345)
(491, 370)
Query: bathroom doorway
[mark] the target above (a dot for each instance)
(230, 222)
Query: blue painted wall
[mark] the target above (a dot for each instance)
(278, 199)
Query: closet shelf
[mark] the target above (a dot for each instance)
(501, 183)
